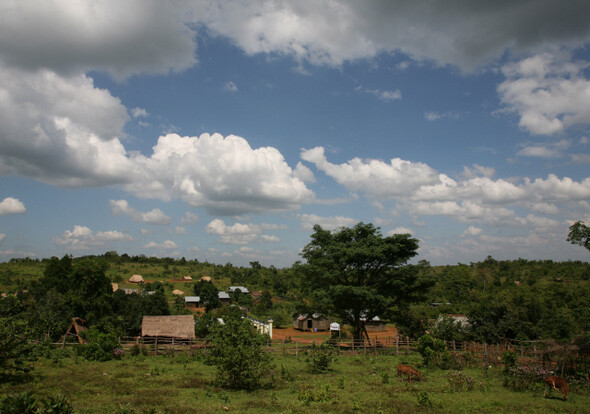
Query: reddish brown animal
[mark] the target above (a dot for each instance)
(556, 383)
(409, 370)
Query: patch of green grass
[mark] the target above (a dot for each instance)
(180, 385)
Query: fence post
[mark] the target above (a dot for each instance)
(397, 346)
(156, 347)
(296, 348)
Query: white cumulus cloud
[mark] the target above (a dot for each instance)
(155, 216)
(327, 223)
(548, 91)
(239, 233)
(224, 175)
(374, 177)
(82, 238)
(11, 205)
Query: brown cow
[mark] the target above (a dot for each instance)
(555, 383)
(410, 370)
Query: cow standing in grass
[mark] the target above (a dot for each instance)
(556, 383)
(409, 370)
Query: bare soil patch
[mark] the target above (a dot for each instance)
(309, 337)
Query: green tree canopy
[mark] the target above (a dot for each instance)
(208, 293)
(579, 234)
(357, 273)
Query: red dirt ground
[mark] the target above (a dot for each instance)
(302, 336)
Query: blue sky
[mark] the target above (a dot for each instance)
(224, 130)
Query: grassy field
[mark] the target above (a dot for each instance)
(361, 384)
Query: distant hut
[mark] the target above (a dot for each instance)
(187, 278)
(192, 301)
(136, 279)
(169, 326)
(206, 279)
(223, 297)
(315, 322)
(77, 326)
(177, 292)
(115, 286)
(375, 325)
(242, 289)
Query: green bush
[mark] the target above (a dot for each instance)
(523, 378)
(509, 359)
(319, 357)
(137, 349)
(16, 349)
(26, 403)
(57, 405)
(238, 354)
(101, 346)
(434, 352)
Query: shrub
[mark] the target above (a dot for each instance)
(522, 378)
(57, 405)
(26, 403)
(509, 359)
(424, 399)
(319, 357)
(101, 346)
(238, 354)
(309, 395)
(458, 381)
(138, 350)
(16, 349)
(434, 352)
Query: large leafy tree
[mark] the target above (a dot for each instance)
(208, 293)
(357, 273)
(579, 234)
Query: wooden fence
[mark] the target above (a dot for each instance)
(528, 352)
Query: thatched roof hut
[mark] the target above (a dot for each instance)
(136, 279)
(187, 278)
(177, 292)
(206, 279)
(170, 326)
(115, 286)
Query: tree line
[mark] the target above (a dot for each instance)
(352, 275)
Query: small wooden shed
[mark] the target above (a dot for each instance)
(314, 322)
(169, 326)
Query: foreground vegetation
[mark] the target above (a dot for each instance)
(183, 383)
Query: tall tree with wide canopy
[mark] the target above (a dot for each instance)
(357, 273)
(579, 234)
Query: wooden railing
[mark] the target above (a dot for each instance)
(491, 354)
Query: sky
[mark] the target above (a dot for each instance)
(224, 130)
